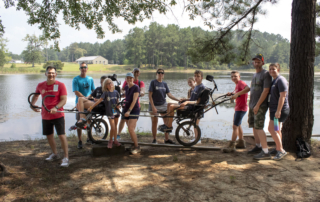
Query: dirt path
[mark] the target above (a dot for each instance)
(158, 174)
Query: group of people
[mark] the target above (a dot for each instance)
(264, 92)
(269, 90)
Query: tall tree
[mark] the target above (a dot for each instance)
(32, 53)
(301, 78)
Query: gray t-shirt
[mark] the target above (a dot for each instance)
(279, 85)
(259, 81)
(159, 91)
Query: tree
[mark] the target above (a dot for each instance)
(2, 58)
(33, 53)
(301, 79)
(79, 52)
(72, 48)
(4, 54)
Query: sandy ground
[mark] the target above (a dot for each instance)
(157, 174)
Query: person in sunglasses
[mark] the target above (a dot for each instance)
(82, 86)
(158, 90)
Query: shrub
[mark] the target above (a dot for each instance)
(55, 63)
(13, 65)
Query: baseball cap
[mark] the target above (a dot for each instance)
(129, 74)
(259, 56)
(136, 70)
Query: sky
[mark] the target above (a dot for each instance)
(276, 21)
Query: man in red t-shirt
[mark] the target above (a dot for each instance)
(136, 73)
(54, 118)
(241, 108)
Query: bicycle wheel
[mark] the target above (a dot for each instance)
(185, 133)
(98, 130)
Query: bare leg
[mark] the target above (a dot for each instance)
(154, 121)
(276, 136)
(235, 133)
(116, 120)
(240, 134)
(262, 138)
(256, 136)
(52, 143)
(64, 144)
(196, 131)
(131, 127)
(79, 132)
(83, 103)
(121, 125)
(171, 109)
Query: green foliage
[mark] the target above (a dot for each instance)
(2, 58)
(57, 64)
(33, 53)
(13, 65)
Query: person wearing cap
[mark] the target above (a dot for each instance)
(258, 106)
(140, 84)
(131, 110)
(158, 90)
(82, 86)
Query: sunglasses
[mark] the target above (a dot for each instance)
(160, 72)
(83, 67)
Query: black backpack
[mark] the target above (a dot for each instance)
(303, 149)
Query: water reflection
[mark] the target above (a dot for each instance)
(17, 121)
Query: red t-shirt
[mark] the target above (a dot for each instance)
(137, 83)
(241, 102)
(58, 89)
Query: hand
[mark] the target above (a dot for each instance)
(256, 109)
(53, 110)
(182, 99)
(183, 104)
(141, 94)
(35, 109)
(154, 110)
(228, 94)
(127, 114)
(95, 99)
(118, 106)
(278, 114)
(233, 97)
(89, 109)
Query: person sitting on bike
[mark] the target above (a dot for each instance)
(158, 90)
(111, 99)
(194, 99)
(192, 84)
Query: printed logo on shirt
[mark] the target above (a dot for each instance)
(43, 91)
(55, 88)
(86, 85)
(160, 88)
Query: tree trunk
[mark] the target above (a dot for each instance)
(301, 79)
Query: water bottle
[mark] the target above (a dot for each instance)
(276, 124)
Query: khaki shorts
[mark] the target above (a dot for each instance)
(256, 121)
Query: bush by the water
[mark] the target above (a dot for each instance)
(55, 63)
(13, 65)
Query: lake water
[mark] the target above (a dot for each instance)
(19, 122)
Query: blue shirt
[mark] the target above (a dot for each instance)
(278, 85)
(84, 85)
(110, 100)
(196, 92)
(159, 91)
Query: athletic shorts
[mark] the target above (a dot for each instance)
(256, 121)
(160, 108)
(59, 124)
(283, 116)
(237, 118)
(131, 113)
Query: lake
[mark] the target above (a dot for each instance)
(19, 122)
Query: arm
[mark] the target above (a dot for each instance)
(63, 101)
(154, 110)
(244, 91)
(94, 105)
(172, 97)
(78, 94)
(33, 101)
(263, 96)
(142, 91)
(280, 104)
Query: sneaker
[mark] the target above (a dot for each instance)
(118, 137)
(82, 124)
(273, 151)
(89, 141)
(80, 144)
(280, 155)
(135, 150)
(241, 144)
(53, 157)
(262, 156)
(169, 141)
(256, 149)
(165, 129)
(65, 162)
(74, 127)
(230, 148)
(154, 141)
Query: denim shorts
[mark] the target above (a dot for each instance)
(237, 118)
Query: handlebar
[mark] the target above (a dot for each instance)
(43, 102)
(30, 101)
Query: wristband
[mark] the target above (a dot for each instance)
(56, 107)
(129, 110)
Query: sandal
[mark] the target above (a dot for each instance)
(118, 144)
(82, 123)
(110, 144)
